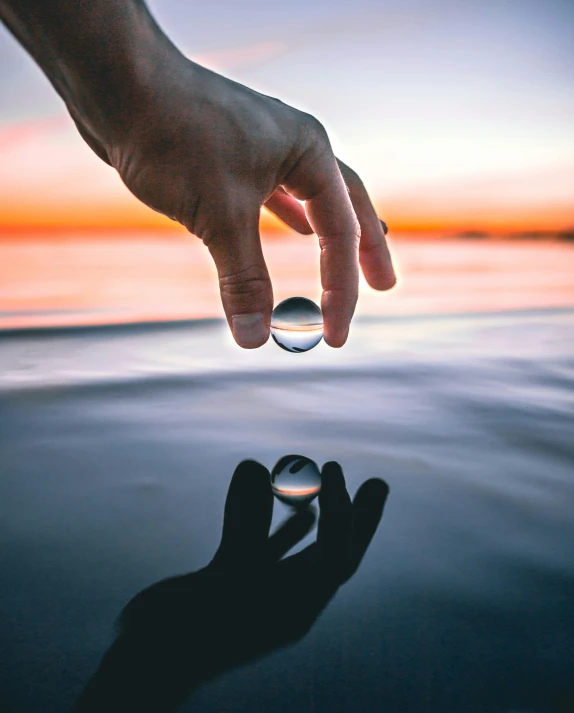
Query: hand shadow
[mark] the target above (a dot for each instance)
(247, 602)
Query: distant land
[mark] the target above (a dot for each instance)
(566, 235)
(176, 233)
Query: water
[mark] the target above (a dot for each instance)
(296, 480)
(297, 324)
(116, 451)
(104, 279)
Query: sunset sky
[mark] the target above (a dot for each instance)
(458, 115)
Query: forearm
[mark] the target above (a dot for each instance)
(140, 675)
(100, 55)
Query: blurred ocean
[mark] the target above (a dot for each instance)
(118, 443)
(113, 279)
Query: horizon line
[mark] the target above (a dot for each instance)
(178, 232)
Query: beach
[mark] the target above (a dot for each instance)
(118, 444)
(149, 563)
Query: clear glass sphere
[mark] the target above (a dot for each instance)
(296, 480)
(297, 324)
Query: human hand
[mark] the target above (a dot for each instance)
(209, 152)
(247, 602)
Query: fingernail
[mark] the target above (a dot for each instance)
(249, 330)
(384, 227)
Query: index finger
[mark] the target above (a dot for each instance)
(332, 217)
(317, 180)
(335, 518)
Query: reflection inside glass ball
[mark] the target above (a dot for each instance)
(297, 324)
(296, 480)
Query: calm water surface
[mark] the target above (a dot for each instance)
(117, 447)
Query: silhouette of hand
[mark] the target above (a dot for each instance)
(247, 602)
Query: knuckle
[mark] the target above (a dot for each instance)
(353, 180)
(315, 132)
(344, 297)
(350, 237)
(252, 280)
(318, 129)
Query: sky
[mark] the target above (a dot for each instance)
(458, 115)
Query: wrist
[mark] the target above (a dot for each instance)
(102, 57)
(108, 89)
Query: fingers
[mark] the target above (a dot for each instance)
(244, 284)
(374, 255)
(335, 521)
(316, 179)
(289, 211)
(247, 518)
(346, 529)
(292, 531)
(367, 510)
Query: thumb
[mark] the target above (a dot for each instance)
(244, 284)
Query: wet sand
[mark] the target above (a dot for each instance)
(118, 446)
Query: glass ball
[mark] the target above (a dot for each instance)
(297, 324)
(296, 480)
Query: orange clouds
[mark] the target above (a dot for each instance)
(50, 181)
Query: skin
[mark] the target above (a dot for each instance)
(209, 153)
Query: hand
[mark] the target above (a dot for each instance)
(209, 152)
(247, 602)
